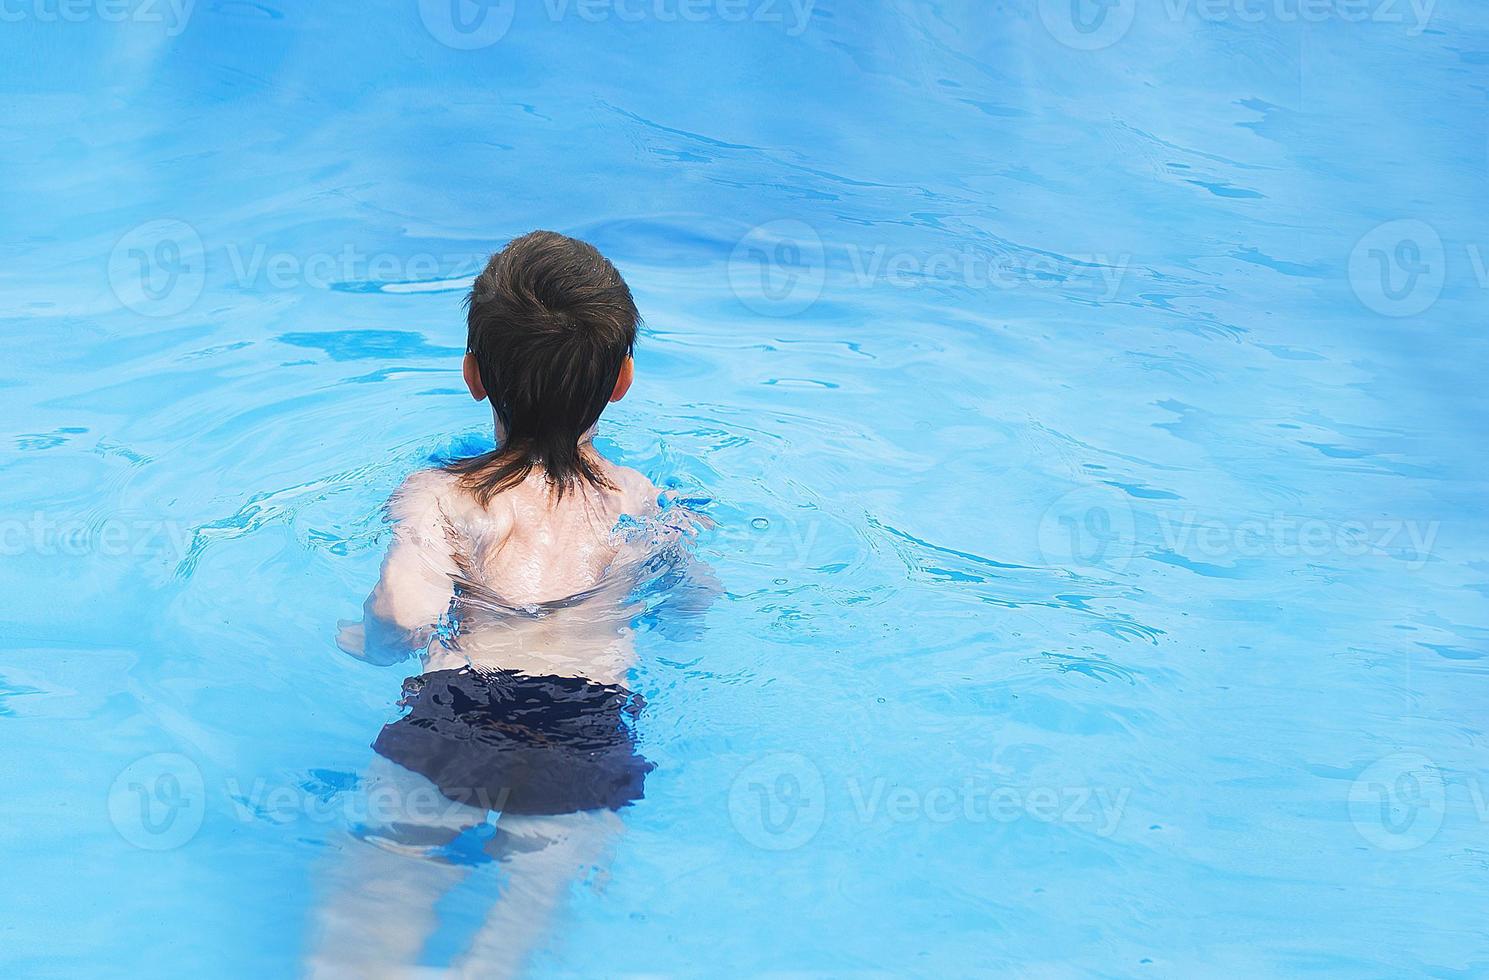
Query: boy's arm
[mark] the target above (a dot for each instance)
(673, 526)
(415, 584)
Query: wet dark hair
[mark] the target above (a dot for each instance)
(550, 323)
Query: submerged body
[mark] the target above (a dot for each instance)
(537, 736)
(505, 571)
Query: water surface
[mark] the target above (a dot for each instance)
(1090, 411)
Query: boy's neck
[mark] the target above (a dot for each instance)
(501, 431)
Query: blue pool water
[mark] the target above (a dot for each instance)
(1088, 399)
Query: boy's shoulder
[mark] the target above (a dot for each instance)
(638, 493)
(435, 494)
(433, 506)
(427, 496)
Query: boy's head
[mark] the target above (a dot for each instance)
(551, 328)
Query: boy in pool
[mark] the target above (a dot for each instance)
(524, 714)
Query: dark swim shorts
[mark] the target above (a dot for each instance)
(519, 743)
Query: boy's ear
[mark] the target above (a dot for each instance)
(623, 383)
(473, 377)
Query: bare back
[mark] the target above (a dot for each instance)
(526, 547)
(529, 546)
